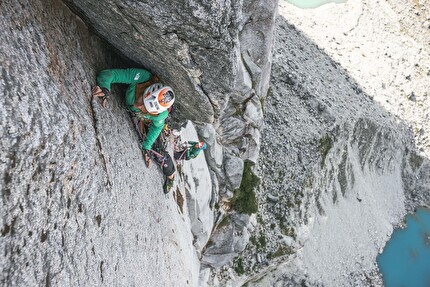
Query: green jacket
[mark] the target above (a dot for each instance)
(132, 77)
(192, 151)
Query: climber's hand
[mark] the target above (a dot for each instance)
(146, 156)
(102, 93)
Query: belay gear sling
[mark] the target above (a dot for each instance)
(162, 157)
(165, 161)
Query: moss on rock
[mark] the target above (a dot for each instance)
(244, 200)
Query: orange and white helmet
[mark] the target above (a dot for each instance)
(158, 98)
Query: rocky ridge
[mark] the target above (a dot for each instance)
(339, 168)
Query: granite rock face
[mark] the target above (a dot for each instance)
(197, 187)
(216, 55)
(229, 240)
(197, 47)
(339, 171)
(78, 205)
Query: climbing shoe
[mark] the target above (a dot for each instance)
(168, 184)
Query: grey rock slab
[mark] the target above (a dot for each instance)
(207, 52)
(214, 149)
(233, 167)
(253, 112)
(199, 191)
(79, 207)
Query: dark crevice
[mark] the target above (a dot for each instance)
(98, 220)
(215, 107)
(44, 235)
(101, 270)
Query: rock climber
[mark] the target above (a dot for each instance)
(148, 99)
(191, 151)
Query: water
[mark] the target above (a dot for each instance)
(307, 4)
(405, 260)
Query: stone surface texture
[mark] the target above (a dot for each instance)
(216, 55)
(78, 205)
(197, 185)
(344, 149)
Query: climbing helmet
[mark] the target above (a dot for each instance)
(158, 98)
(202, 145)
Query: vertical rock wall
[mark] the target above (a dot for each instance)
(215, 55)
(78, 207)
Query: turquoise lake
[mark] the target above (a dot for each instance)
(307, 4)
(405, 260)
